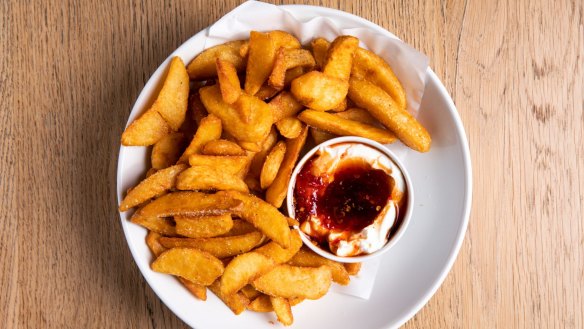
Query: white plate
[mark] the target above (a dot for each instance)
(409, 274)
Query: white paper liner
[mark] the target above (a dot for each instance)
(408, 64)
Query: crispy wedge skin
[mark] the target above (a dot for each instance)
(197, 290)
(173, 98)
(146, 130)
(220, 247)
(343, 127)
(339, 57)
(291, 282)
(243, 269)
(307, 258)
(261, 56)
(210, 129)
(265, 217)
(319, 91)
(272, 164)
(276, 193)
(189, 204)
(223, 147)
(194, 265)
(320, 48)
(236, 302)
(209, 179)
(283, 310)
(203, 226)
(385, 109)
(159, 182)
(167, 150)
(153, 244)
(289, 127)
(203, 66)
(284, 105)
(228, 81)
(156, 224)
(258, 160)
(232, 165)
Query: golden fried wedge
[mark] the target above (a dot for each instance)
(153, 244)
(203, 226)
(167, 150)
(353, 268)
(173, 98)
(261, 55)
(385, 109)
(358, 114)
(276, 193)
(194, 265)
(284, 39)
(242, 270)
(292, 74)
(260, 121)
(223, 147)
(146, 130)
(163, 180)
(291, 282)
(320, 48)
(266, 92)
(262, 303)
(240, 227)
(231, 165)
(343, 127)
(209, 129)
(287, 59)
(197, 290)
(369, 66)
(236, 302)
(189, 204)
(339, 58)
(203, 66)
(289, 127)
(284, 105)
(319, 91)
(307, 258)
(220, 247)
(265, 217)
(258, 160)
(320, 136)
(250, 292)
(155, 224)
(228, 81)
(204, 178)
(198, 110)
(278, 254)
(283, 310)
(272, 164)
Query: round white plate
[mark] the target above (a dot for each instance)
(409, 274)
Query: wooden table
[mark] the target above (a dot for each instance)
(70, 72)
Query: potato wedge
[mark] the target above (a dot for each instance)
(203, 226)
(222, 147)
(250, 292)
(242, 270)
(220, 247)
(276, 193)
(189, 204)
(358, 114)
(307, 258)
(263, 304)
(167, 150)
(161, 181)
(266, 92)
(250, 146)
(172, 100)
(320, 48)
(272, 164)
(228, 81)
(194, 265)
(284, 39)
(339, 58)
(159, 225)
(292, 74)
(375, 100)
(291, 282)
(254, 131)
(198, 110)
(236, 302)
(209, 129)
(261, 55)
(342, 106)
(353, 268)
(343, 127)
(153, 244)
(204, 178)
(265, 217)
(287, 59)
(369, 66)
(240, 227)
(319, 91)
(197, 290)
(278, 254)
(289, 127)
(254, 185)
(146, 130)
(231, 165)
(320, 136)
(203, 66)
(258, 160)
(284, 105)
(283, 310)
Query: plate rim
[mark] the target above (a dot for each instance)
(431, 75)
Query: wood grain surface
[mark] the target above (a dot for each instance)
(70, 72)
